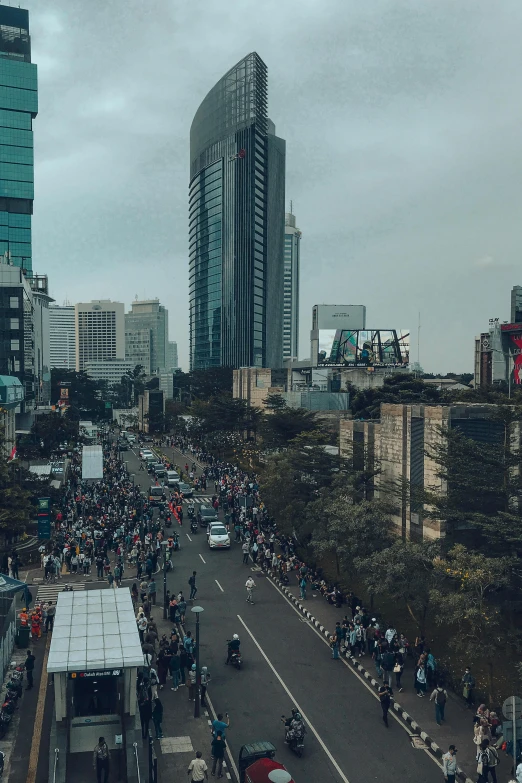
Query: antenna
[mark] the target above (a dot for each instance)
(418, 342)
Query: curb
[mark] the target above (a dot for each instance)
(432, 745)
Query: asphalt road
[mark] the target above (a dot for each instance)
(286, 663)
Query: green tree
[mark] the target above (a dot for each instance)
(84, 392)
(275, 402)
(400, 388)
(285, 424)
(16, 509)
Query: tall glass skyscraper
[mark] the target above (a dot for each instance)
(291, 288)
(18, 108)
(236, 216)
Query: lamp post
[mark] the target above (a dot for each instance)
(197, 611)
(165, 581)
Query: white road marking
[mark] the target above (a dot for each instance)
(353, 671)
(294, 701)
(189, 538)
(201, 556)
(216, 581)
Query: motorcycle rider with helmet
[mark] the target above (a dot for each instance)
(233, 647)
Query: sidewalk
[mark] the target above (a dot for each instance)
(418, 713)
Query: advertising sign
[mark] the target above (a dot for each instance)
(512, 347)
(364, 347)
(95, 675)
(44, 518)
(339, 317)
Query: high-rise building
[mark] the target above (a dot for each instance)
(18, 108)
(516, 304)
(17, 345)
(138, 347)
(291, 288)
(150, 314)
(62, 338)
(236, 216)
(172, 356)
(100, 331)
(109, 370)
(41, 336)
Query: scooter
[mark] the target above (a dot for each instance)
(293, 739)
(235, 658)
(194, 525)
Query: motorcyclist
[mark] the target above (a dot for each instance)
(233, 647)
(190, 508)
(295, 728)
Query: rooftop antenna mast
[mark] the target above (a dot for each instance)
(418, 343)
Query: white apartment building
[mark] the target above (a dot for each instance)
(100, 331)
(62, 351)
(110, 370)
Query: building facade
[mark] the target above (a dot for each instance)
(17, 344)
(150, 314)
(172, 356)
(18, 108)
(138, 347)
(41, 330)
(516, 304)
(291, 288)
(11, 399)
(99, 331)
(62, 340)
(109, 370)
(236, 225)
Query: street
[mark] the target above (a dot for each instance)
(286, 663)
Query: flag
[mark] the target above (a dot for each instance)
(12, 455)
(241, 154)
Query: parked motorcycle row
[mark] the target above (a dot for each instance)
(13, 692)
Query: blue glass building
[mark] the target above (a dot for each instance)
(18, 108)
(236, 225)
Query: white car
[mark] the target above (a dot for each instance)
(217, 536)
(144, 453)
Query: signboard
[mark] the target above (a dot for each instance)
(512, 708)
(95, 675)
(64, 393)
(364, 347)
(44, 518)
(339, 317)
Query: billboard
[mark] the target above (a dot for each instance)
(512, 347)
(364, 347)
(339, 317)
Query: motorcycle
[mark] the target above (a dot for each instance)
(235, 658)
(194, 526)
(190, 511)
(294, 737)
(5, 720)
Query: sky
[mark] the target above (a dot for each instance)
(403, 127)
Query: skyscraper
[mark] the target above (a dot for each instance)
(62, 337)
(150, 314)
(236, 215)
(291, 288)
(516, 304)
(18, 108)
(172, 356)
(100, 331)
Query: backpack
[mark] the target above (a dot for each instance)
(191, 581)
(440, 698)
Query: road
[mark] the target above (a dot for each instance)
(286, 663)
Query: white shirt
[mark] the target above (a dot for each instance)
(519, 773)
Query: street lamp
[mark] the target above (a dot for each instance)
(197, 611)
(165, 544)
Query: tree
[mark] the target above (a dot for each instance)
(400, 388)
(465, 599)
(16, 509)
(84, 392)
(275, 402)
(47, 432)
(403, 571)
(285, 424)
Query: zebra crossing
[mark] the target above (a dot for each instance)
(49, 592)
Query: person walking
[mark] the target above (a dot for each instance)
(175, 671)
(218, 754)
(250, 585)
(101, 760)
(468, 683)
(157, 717)
(246, 552)
(192, 683)
(385, 695)
(449, 764)
(49, 618)
(152, 592)
(420, 681)
(440, 697)
(197, 769)
(29, 669)
(302, 588)
(145, 716)
(193, 588)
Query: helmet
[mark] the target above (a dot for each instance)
(204, 669)
(235, 636)
(193, 667)
(297, 716)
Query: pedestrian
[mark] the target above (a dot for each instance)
(152, 592)
(205, 679)
(398, 670)
(385, 694)
(388, 664)
(246, 552)
(49, 619)
(157, 717)
(192, 683)
(218, 754)
(334, 644)
(449, 764)
(468, 683)
(145, 716)
(193, 588)
(29, 669)
(440, 697)
(110, 578)
(220, 725)
(302, 588)
(101, 760)
(420, 681)
(250, 585)
(197, 769)
(175, 671)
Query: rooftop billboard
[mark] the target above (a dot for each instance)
(338, 317)
(364, 347)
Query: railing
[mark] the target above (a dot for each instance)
(56, 754)
(135, 746)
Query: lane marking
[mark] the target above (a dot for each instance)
(216, 581)
(38, 723)
(354, 672)
(201, 556)
(294, 701)
(189, 538)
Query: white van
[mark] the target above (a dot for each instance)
(172, 477)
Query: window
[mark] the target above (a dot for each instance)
(15, 323)
(13, 301)
(15, 345)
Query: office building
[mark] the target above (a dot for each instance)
(138, 348)
(516, 304)
(172, 356)
(166, 384)
(11, 399)
(151, 410)
(17, 347)
(236, 216)
(99, 331)
(291, 288)
(110, 371)
(18, 108)
(150, 314)
(62, 348)
(41, 331)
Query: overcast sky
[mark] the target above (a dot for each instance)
(403, 126)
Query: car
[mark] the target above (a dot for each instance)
(206, 515)
(186, 490)
(123, 445)
(151, 467)
(160, 473)
(218, 537)
(155, 495)
(172, 478)
(145, 453)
